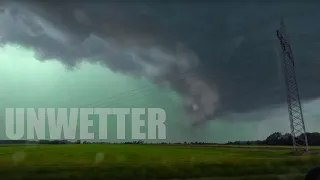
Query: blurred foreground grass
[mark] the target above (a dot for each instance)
(103, 161)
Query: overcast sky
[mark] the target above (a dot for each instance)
(220, 60)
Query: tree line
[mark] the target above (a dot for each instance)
(278, 138)
(275, 138)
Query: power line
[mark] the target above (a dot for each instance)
(133, 90)
(113, 99)
(133, 96)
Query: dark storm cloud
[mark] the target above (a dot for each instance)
(230, 48)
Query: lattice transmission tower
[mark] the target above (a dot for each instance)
(298, 130)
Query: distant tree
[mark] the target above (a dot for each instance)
(274, 138)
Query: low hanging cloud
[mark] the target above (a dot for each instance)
(220, 57)
(125, 41)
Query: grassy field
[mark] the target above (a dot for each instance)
(101, 161)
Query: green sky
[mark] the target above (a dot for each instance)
(27, 82)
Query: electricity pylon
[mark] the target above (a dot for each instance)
(298, 130)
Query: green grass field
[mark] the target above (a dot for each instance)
(102, 161)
